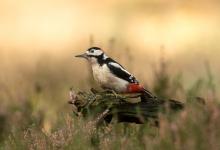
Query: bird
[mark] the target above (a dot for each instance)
(110, 75)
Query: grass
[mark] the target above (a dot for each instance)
(197, 127)
(35, 115)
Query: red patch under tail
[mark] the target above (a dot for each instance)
(135, 88)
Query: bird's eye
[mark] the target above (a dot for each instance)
(92, 51)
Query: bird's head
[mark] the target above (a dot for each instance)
(93, 54)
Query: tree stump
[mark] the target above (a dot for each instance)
(105, 106)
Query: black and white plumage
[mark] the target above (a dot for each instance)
(110, 74)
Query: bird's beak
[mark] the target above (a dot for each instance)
(82, 55)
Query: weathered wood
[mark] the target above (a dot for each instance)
(103, 106)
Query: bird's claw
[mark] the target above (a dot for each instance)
(111, 92)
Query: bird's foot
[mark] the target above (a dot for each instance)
(111, 92)
(94, 91)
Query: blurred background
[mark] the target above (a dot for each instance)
(175, 42)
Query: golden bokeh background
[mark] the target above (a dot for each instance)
(38, 39)
(187, 30)
(41, 25)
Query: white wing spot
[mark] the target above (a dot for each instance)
(119, 66)
(132, 78)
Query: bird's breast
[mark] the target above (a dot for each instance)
(100, 73)
(106, 79)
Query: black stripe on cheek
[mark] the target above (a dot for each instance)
(99, 58)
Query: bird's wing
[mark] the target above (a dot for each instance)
(120, 72)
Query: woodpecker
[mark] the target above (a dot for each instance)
(111, 75)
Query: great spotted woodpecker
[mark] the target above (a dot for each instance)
(110, 74)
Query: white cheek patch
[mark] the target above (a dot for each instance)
(93, 60)
(97, 53)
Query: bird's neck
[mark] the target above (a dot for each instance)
(101, 59)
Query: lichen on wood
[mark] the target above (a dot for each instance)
(107, 105)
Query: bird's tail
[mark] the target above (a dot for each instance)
(148, 93)
(137, 88)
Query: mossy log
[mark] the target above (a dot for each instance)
(108, 105)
